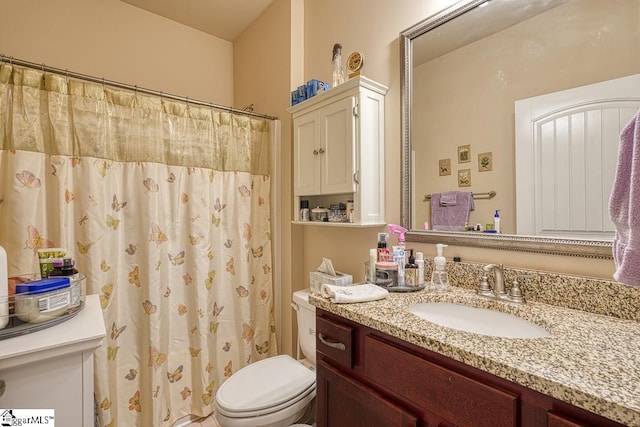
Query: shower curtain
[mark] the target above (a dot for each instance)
(165, 208)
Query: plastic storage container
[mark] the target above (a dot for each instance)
(320, 214)
(42, 300)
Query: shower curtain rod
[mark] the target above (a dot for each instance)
(13, 61)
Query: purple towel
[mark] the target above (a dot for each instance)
(449, 198)
(447, 217)
(624, 206)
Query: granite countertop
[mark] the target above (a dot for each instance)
(590, 360)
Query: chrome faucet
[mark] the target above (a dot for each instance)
(498, 289)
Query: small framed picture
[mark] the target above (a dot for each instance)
(444, 166)
(464, 153)
(485, 162)
(464, 178)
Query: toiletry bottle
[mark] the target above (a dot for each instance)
(399, 251)
(4, 289)
(371, 272)
(496, 221)
(420, 264)
(399, 260)
(65, 267)
(439, 277)
(350, 210)
(411, 271)
(305, 213)
(383, 251)
(338, 69)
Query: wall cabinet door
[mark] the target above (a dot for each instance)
(307, 169)
(344, 402)
(324, 144)
(338, 141)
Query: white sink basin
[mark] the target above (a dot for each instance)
(478, 320)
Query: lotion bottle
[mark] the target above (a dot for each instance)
(420, 264)
(371, 272)
(496, 221)
(4, 289)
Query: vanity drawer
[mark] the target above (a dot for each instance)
(335, 341)
(456, 398)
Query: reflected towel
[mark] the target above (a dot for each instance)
(451, 217)
(624, 206)
(355, 293)
(448, 198)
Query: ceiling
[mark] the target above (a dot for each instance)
(225, 19)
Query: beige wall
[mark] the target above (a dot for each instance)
(267, 64)
(119, 42)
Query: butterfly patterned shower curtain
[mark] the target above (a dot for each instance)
(165, 208)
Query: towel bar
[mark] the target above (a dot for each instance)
(476, 196)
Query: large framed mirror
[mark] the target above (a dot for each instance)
(519, 103)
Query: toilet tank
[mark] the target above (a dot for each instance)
(306, 314)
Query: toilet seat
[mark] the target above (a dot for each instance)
(265, 387)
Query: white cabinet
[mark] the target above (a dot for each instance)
(339, 150)
(53, 368)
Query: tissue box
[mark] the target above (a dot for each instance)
(317, 278)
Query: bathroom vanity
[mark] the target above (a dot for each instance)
(380, 365)
(53, 368)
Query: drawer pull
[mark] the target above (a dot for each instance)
(3, 387)
(336, 345)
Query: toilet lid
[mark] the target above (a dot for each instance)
(265, 384)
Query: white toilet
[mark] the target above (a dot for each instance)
(278, 391)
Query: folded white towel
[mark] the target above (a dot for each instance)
(355, 293)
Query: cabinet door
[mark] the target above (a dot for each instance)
(52, 384)
(337, 134)
(344, 402)
(454, 397)
(307, 169)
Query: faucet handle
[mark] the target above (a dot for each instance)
(515, 294)
(483, 287)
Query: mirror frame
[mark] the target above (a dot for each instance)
(553, 246)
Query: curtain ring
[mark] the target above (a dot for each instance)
(11, 61)
(66, 76)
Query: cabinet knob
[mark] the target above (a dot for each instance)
(321, 150)
(315, 152)
(3, 387)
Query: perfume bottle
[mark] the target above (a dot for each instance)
(338, 68)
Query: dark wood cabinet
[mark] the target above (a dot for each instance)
(344, 402)
(368, 378)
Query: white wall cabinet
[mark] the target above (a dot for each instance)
(53, 368)
(339, 150)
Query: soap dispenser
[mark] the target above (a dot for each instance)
(439, 277)
(496, 221)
